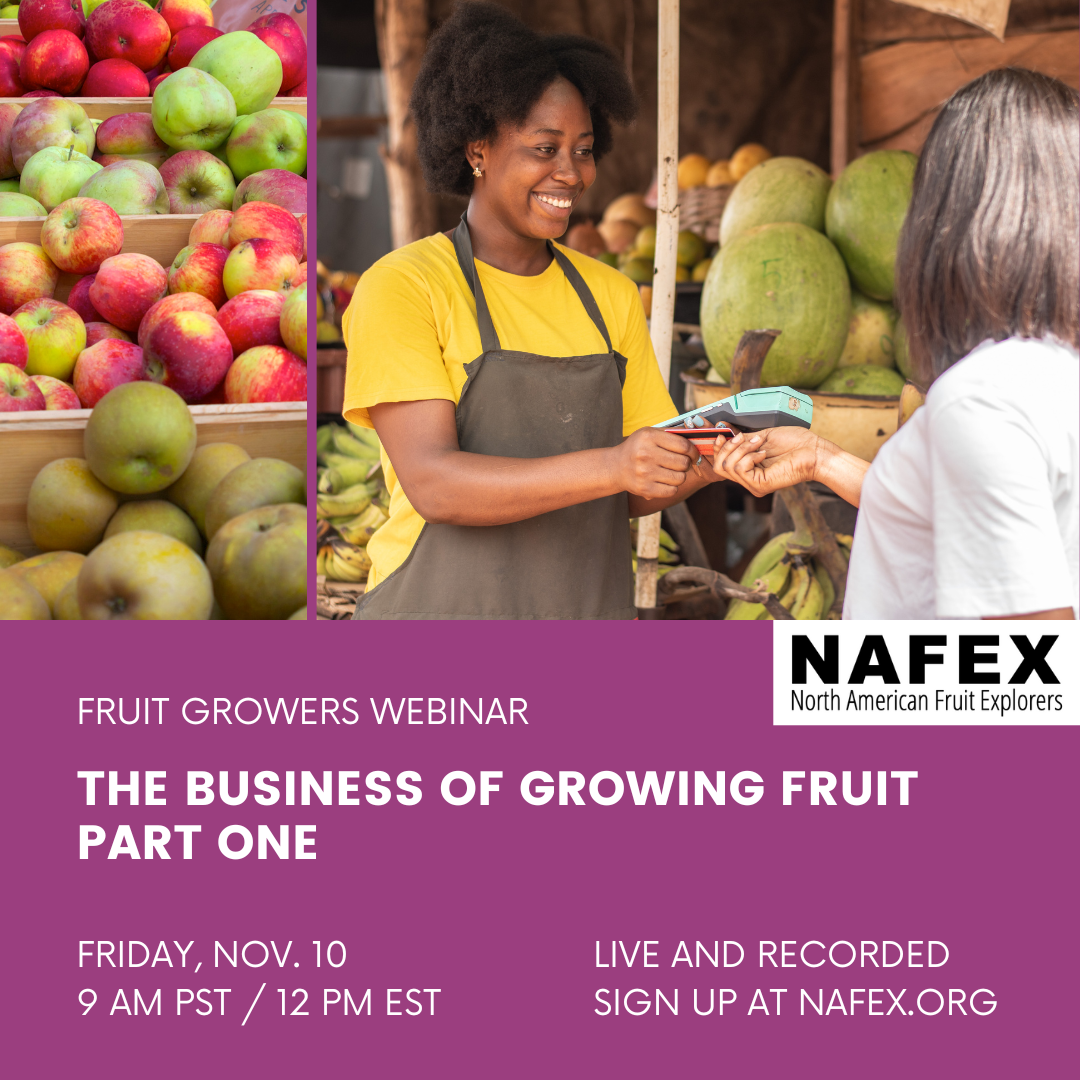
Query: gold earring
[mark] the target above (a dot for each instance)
(477, 171)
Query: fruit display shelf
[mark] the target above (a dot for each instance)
(101, 108)
(29, 441)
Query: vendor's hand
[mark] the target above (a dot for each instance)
(766, 461)
(653, 463)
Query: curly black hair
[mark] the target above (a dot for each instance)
(484, 67)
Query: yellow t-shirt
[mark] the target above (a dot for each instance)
(411, 329)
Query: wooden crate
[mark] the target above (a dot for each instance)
(894, 66)
(29, 441)
(330, 372)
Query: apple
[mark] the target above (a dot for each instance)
(258, 563)
(270, 139)
(13, 347)
(126, 286)
(55, 174)
(210, 464)
(294, 59)
(300, 278)
(191, 110)
(129, 186)
(252, 318)
(299, 90)
(106, 364)
(54, 60)
(259, 264)
(294, 321)
(128, 30)
(20, 600)
(211, 228)
(259, 482)
(18, 392)
(281, 46)
(156, 515)
(278, 186)
(11, 185)
(58, 394)
(80, 234)
(249, 69)
(266, 373)
(12, 204)
(26, 273)
(263, 220)
(139, 438)
(183, 301)
(68, 507)
(146, 576)
(129, 134)
(90, 6)
(9, 113)
(37, 16)
(79, 300)
(180, 14)
(50, 122)
(103, 331)
(11, 51)
(67, 603)
(54, 334)
(188, 42)
(42, 94)
(50, 573)
(115, 78)
(197, 182)
(9, 11)
(157, 80)
(197, 268)
(188, 352)
(301, 220)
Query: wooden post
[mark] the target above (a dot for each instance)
(667, 240)
(402, 31)
(844, 71)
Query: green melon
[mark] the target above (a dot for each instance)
(783, 276)
(864, 213)
(864, 379)
(870, 333)
(900, 346)
(780, 189)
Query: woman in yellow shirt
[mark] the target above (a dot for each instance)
(511, 381)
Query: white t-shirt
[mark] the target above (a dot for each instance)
(971, 509)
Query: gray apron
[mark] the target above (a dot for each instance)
(572, 563)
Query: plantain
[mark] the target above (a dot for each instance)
(360, 529)
(324, 439)
(828, 592)
(347, 443)
(809, 606)
(348, 503)
(797, 586)
(364, 434)
(667, 541)
(345, 562)
(344, 474)
(845, 541)
(766, 558)
(774, 582)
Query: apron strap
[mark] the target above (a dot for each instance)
(489, 339)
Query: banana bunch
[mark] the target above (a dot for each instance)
(667, 556)
(342, 561)
(799, 581)
(360, 529)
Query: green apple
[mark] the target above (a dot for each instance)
(129, 187)
(88, 6)
(270, 139)
(156, 515)
(56, 173)
(11, 185)
(68, 507)
(19, 599)
(55, 335)
(9, 557)
(209, 466)
(67, 603)
(259, 482)
(139, 438)
(258, 562)
(249, 69)
(191, 110)
(9, 11)
(144, 575)
(12, 204)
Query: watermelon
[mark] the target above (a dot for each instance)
(864, 213)
(784, 276)
(870, 334)
(866, 379)
(900, 346)
(780, 189)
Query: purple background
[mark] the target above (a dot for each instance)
(500, 906)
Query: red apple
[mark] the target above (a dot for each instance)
(287, 54)
(106, 364)
(43, 94)
(211, 228)
(187, 42)
(11, 52)
(197, 182)
(184, 301)
(55, 60)
(126, 285)
(215, 397)
(129, 134)
(13, 347)
(157, 80)
(26, 273)
(302, 222)
(57, 393)
(8, 115)
(269, 222)
(37, 16)
(180, 14)
(252, 318)
(294, 60)
(294, 322)
(115, 78)
(18, 392)
(55, 335)
(299, 90)
(79, 300)
(102, 331)
(277, 186)
(259, 264)
(188, 352)
(128, 30)
(52, 122)
(300, 277)
(198, 269)
(80, 234)
(266, 373)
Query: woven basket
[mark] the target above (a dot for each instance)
(700, 209)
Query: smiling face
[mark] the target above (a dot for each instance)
(535, 174)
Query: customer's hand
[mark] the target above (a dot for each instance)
(766, 461)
